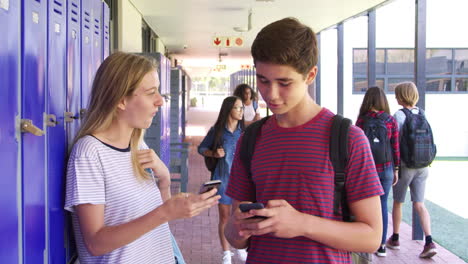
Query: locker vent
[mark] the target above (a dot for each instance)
(97, 26)
(74, 12)
(87, 20)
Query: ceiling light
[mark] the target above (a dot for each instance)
(249, 24)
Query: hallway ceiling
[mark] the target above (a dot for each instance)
(194, 24)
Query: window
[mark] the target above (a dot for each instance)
(446, 69)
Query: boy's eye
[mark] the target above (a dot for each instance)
(284, 84)
(263, 80)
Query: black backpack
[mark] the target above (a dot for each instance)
(338, 157)
(377, 134)
(417, 148)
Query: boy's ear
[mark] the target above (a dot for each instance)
(311, 75)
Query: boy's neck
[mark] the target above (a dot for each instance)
(300, 114)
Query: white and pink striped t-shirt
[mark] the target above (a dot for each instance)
(101, 174)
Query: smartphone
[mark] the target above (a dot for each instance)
(209, 185)
(245, 207)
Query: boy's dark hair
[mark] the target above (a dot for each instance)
(287, 42)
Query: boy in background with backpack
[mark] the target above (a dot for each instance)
(291, 172)
(381, 130)
(417, 152)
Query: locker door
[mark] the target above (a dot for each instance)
(56, 145)
(73, 69)
(73, 103)
(105, 31)
(33, 55)
(9, 83)
(165, 76)
(97, 50)
(87, 72)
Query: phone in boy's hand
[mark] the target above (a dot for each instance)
(209, 185)
(245, 207)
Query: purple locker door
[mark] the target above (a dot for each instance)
(87, 72)
(33, 55)
(9, 61)
(97, 13)
(56, 145)
(105, 31)
(73, 95)
(73, 69)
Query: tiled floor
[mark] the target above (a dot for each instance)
(198, 236)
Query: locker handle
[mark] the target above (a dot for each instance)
(51, 120)
(27, 126)
(69, 117)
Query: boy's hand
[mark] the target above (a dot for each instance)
(282, 221)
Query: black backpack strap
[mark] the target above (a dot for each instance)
(339, 159)
(248, 143)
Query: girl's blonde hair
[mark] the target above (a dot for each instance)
(407, 93)
(117, 77)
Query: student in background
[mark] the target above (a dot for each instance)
(292, 174)
(117, 189)
(250, 100)
(407, 96)
(382, 131)
(220, 142)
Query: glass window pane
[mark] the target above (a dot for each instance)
(461, 61)
(380, 61)
(438, 84)
(461, 85)
(393, 82)
(439, 61)
(360, 85)
(359, 62)
(400, 61)
(380, 83)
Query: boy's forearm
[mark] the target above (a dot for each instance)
(354, 236)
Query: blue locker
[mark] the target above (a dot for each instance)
(105, 31)
(157, 135)
(176, 106)
(73, 69)
(87, 69)
(56, 144)
(9, 83)
(73, 101)
(33, 80)
(97, 50)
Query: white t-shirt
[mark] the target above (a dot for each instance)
(101, 174)
(249, 112)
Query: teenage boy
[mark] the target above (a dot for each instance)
(291, 173)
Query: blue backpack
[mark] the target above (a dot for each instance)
(377, 134)
(417, 148)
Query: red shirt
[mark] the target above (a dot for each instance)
(294, 164)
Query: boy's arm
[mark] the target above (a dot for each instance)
(284, 221)
(232, 229)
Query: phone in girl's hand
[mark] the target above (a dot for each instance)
(209, 185)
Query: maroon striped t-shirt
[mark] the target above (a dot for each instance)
(293, 164)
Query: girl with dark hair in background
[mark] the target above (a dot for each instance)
(375, 106)
(220, 142)
(250, 100)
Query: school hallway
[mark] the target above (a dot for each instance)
(198, 237)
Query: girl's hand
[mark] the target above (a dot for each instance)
(149, 160)
(186, 205)
(219, 153)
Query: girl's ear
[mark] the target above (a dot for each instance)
(311, 75)
(122, 104)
